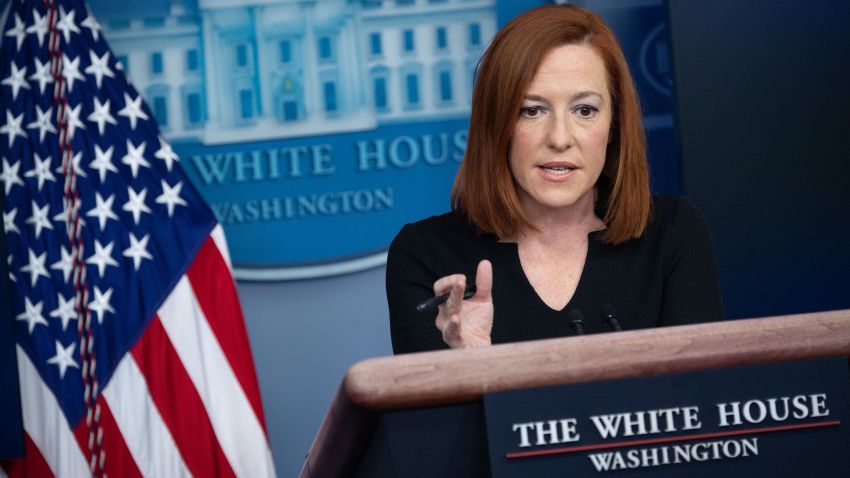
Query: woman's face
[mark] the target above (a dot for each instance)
(558, 146)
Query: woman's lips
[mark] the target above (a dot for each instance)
(557, 171)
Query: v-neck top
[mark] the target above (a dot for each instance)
(665, 277)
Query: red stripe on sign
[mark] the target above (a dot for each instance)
(179, 404)
(671, 439)
(216, 294)
(31, 465)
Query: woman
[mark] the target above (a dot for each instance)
(551, 209)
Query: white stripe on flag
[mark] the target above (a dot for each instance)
(46, 424)
(141, 425)
(3, 473)
(236, 426)
(217, 235)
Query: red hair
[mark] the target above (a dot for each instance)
(484, 189)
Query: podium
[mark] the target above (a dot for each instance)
(407, 400)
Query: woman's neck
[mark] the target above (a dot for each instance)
(556, 224)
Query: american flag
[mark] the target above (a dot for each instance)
(132, 352)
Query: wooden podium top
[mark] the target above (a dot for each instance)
(460, 376)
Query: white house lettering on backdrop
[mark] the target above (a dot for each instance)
(275, 164)
(619, 428)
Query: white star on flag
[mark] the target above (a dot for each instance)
(171, 196)
(64, 358)
(135, 157)
(138, 250)
(44, 123)
(71, 71)
(17, 31)
(165, 153)
(65, 264)
(10, 176)
(72, 116)
(16, 80)
(102, 257)
(40, 218)
(65, 311)
(66, 24)
(100, 303)
(41, 171)
(13, 127)
(9, 221)
(32, 314)
(99, 67)
(35, 267)
(39, 27)
(91, 23)
(42, 75)
(132, 110)
(101, 115)
(103, 161)
(103, 210)
(136, 204)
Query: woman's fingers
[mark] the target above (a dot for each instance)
(454, 285)
(484, 280)
(466, 325)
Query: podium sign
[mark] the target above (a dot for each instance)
(787, 419)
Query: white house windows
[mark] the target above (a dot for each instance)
(375, 46)
(242, 56)
(156, 63)
(408, 41)
(443, 86)
(290, 99)
(285, 51)
(379, 77)
(246, 104)
(411, 74)
(474, 35)
(326, 48)
(331, 100)
(193, 105)
(315, 66)
(192, 63)
(157, 97)
(441, 39)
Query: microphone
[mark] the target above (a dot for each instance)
(610, 315)
(576, 319)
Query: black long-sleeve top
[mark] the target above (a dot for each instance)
(665, 277)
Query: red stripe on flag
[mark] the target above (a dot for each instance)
(31, 465)
(216, 293)
(179, 404)
(117, 460)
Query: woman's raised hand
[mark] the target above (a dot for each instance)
(466, 323)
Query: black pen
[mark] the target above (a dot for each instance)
(432, 303)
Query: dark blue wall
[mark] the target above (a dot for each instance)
(763, 98)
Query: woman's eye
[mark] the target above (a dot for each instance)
(586, 111)
(530, 111)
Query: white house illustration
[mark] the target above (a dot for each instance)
(223, 71)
